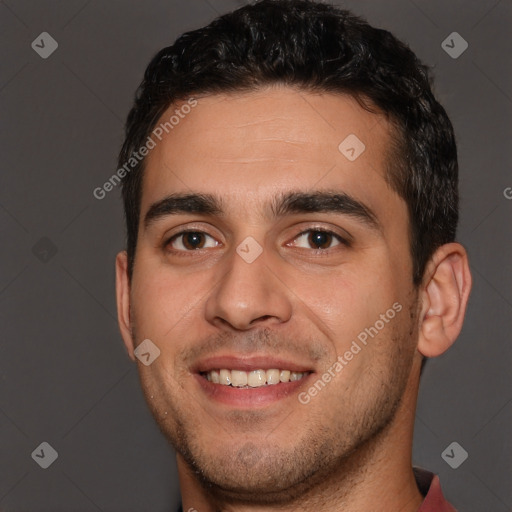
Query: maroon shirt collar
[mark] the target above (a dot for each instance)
(430, 487)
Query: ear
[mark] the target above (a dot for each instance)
(123, 302)
(444, 296)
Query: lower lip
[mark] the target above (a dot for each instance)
(250, 397)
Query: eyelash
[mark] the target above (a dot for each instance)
(188, 253)
(339, 238)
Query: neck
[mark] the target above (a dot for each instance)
(379, 474)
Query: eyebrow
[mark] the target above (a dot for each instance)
(280, 206)
(202, 204)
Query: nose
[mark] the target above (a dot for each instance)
(248, 295)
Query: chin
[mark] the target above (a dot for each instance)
(253, 472)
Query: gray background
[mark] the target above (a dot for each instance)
(64, 376)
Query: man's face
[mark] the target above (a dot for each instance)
(335, 257)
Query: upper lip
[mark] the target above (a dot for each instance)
(249, 363)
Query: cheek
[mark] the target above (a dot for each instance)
(164, 306)
(347, 302)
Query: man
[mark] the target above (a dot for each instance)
(291, 206)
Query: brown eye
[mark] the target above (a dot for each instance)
(320, 239)
(317, 239)
(192, 240)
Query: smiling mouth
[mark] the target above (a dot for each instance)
(252, 379)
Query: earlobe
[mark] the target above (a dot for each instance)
(444, 296)
(123, 302)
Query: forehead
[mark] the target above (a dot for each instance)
(246, 146)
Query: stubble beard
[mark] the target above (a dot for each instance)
(334, 446)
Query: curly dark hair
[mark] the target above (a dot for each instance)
(314, 47)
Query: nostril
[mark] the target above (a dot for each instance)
(261, 319)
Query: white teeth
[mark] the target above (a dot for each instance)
(238, 378)
(257, 378)
(225, 377)
(253, 379)
(272, 376)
